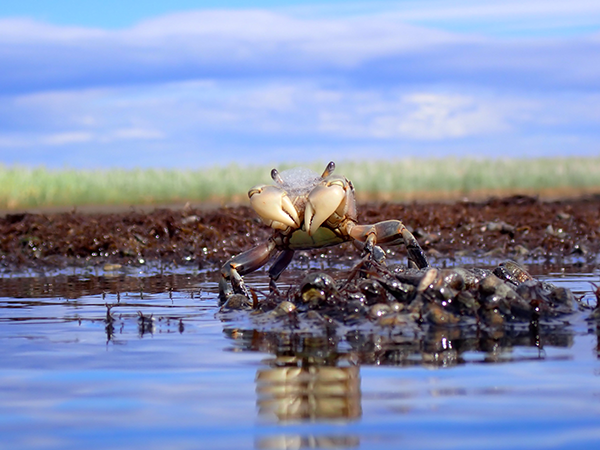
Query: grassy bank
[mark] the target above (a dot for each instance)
(404, 179)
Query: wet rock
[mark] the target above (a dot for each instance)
(512, 272)
(283, 309)
(355, 307)
(374, 292)
(520, 250)
(558, 232)
(437, 315)
(379, 310)
(400, 291)
(397, 307)
(427, 280)
(563, 296)
(190, 219)
(500, 226)
(317, 288)
(580, 249)
(493, 317)
(237, 302)
(497, 303)
(466, 301)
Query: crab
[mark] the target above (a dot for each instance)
(308, 211)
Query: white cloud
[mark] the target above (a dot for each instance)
(419, 116)
(259, 82)
(13, 142)
(449, 116)
(247, 44)
(491, 18)
(28, 31)
(137, 134)
(288, 110)
(71, 137)
(530, 9)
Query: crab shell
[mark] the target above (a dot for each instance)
(315, 214)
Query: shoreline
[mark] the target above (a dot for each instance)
(518, 226)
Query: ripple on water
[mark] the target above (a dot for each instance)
(127, 360)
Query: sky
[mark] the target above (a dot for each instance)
(191, 84)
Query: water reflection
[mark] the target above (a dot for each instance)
(291, 389)
(297, 442)
(120, 301)
(316, 377)
(77, 286)
(432, 347)
(307, 379)
(175, 374)
(124, 298)
(597, 326)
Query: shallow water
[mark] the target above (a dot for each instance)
(163, 371)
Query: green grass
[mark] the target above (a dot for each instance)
(22, 187)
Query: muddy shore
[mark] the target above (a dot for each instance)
(511, 227)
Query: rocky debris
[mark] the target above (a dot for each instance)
(398, 296)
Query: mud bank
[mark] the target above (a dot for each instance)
(512, 227)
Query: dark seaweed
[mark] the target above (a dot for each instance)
(500, 227)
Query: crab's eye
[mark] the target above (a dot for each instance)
(328, 170)
(276, 176)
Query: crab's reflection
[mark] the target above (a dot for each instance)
(313, 383)
(293, 390)
(296, 441)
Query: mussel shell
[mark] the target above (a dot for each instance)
(317, 287)
(512, 272)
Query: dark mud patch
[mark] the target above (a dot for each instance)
(513, 227)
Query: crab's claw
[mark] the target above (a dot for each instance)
(323, 201)
(274, 206)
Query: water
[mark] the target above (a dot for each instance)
(166, 372)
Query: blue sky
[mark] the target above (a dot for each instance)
(142, 84)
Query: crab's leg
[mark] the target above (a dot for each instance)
(280, 264)
(390, 232)
(242, 264)
(375, 251)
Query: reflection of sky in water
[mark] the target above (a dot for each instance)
(63, 386)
